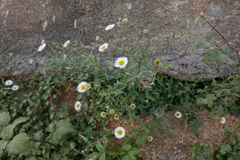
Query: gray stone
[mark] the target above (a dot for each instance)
(26, 23)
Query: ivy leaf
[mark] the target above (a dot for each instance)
(225, 148)
(19, 143)
(3, 144)
(4, 118)
(221, 57)
(63, 127)
(7, 132)
(20, 120)
(211, 97)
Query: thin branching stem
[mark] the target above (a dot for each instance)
(213, 27)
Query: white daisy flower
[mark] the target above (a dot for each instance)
(116, 117)
(41, 47)
(88, 86)
(124, 20)
(103, 47)
(157, 62)
(145, 31)
(15, 87)
(119, 132)
(121, 62)
(82, 87)
(97, 38)
(178, 114)
(149, 138)
(8, 82)
(223, 120)
(103, 114)
(180, 140)
(109, 27)
(66, 44)
(78, 105)
(111, 111)
(132, 106)
(30, 61)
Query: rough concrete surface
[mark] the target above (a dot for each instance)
(25, 23)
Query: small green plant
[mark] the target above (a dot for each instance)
(200, 152)
(230, 149)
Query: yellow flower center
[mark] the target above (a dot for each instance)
(121, 62)
(83, 87)
(177, 114)
(104, 47)
(149, 138)
(78, 105)
(120, 132)
(112, 111)
(157, 62)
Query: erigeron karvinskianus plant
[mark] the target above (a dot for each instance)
(112, 84)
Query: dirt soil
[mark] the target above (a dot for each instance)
(167, 146)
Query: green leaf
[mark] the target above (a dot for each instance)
(176, 19)
(99, 147)
(227, 130)
(102, 156)
(3, 144)
(127, 157)
(208, 57)
(135, 151)
(225, 148)
(221, 57)
(20, 120)
(238, 128)
(38, 135)
(7, 132)
(225, 49)
(19, 143)
(126, 147)
(141, 140)
(31, 158)
(136, 132)
(63, 127)
(4, 118)
(206, 150)
(92, 155)
(238, 138)
(211, 97)
(204, 44)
